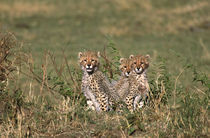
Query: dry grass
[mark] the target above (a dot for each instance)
(206, 53)
(50, 104)
(22, 8)
(144, 16)
(113, 30)
(164, 19)
(190, 8)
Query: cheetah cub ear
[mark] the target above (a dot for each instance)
(147, 56)
(121, 60)
(79, 54)
(131, 56)
(98, 54)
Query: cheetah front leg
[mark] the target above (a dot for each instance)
(137, 101)
(103, 101)
(94, 101)
(130, 102)
(90, 98)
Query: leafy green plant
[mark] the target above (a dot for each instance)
(111, 65)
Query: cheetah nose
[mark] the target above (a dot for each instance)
(89, 66)
(138, 68)
(128, 72)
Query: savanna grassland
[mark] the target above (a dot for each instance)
(40, 77)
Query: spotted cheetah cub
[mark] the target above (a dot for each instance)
(122, 85)
(95, 85)
(138, 82)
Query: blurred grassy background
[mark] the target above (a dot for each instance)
(42, 99)
(170, 29)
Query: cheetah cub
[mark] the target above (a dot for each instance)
(138, 82)
(95, 85)
(122, 85)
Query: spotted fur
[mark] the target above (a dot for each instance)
(122, 84)
(95, 85)
(138, 82)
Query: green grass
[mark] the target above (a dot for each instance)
(136, 27)
(174, 33)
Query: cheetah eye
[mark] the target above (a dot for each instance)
(85, 60)
(134, 62)
(142, 62)
(125, 66)
(92, 60)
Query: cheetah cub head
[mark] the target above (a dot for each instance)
(125, 66)
(89, 61)
(139, 63)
